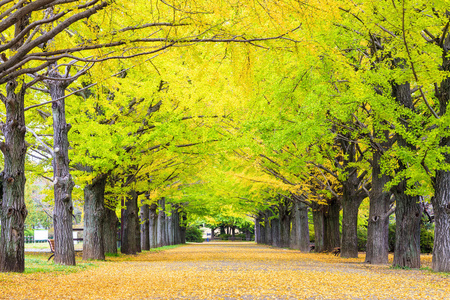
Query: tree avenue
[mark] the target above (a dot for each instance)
(257, 117)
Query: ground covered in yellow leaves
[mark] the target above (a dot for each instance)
(228, 271)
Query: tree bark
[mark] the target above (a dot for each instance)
(138, 230)
(63, 183)
(145, 230)
(350, 206)
(441, 207)
(275, 224)
(408, 210)
(13, 210)
(248, 235)
(153, 222)
(258, 230)
(331, 225)
(170, 230)
(407, 234)
(161, 235)
(176, 224)
(377, 249)
(110, 231)
(285, 222)
(130, 216)
(183, 228)
(294, 241)
(300, 228)
(441, 200)
(319, 227)
(93, 241)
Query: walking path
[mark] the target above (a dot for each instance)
(234, 270)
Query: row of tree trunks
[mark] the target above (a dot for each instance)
(165, 228)
(326, 225)
(273, 226)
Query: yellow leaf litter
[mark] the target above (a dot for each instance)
(234, 270)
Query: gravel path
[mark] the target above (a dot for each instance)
(235, 270)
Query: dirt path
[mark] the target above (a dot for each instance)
(229, 271)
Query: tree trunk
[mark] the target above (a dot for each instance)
(377, 249)
(110, 231)
(441, 207)
(170, 228)
(441, 200)
(176, 225)
(153, 222)
(300, 228)
(93, 241)
(183, 228)
(350, 206)
(63, 183)
(331, 225)
(407, 234)
(145, 233)
(248, 235)
(138, 229)
(275, 224)
(319, 227)
(13, 210)
(268, 229)
(130, 216)
(161, 237)
(258, 230)
(408, 210)
(304, 228)
(293, 239)
(285, 223)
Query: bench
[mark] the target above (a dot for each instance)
(51, 242)
(336, 251)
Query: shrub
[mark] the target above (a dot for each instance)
(391, 237)
(362, 238)
(426, 239)
(224, 236)
(193, 234)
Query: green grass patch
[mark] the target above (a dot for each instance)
(165, 248)
(445, 274)
(37, 263)
(400, 268)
